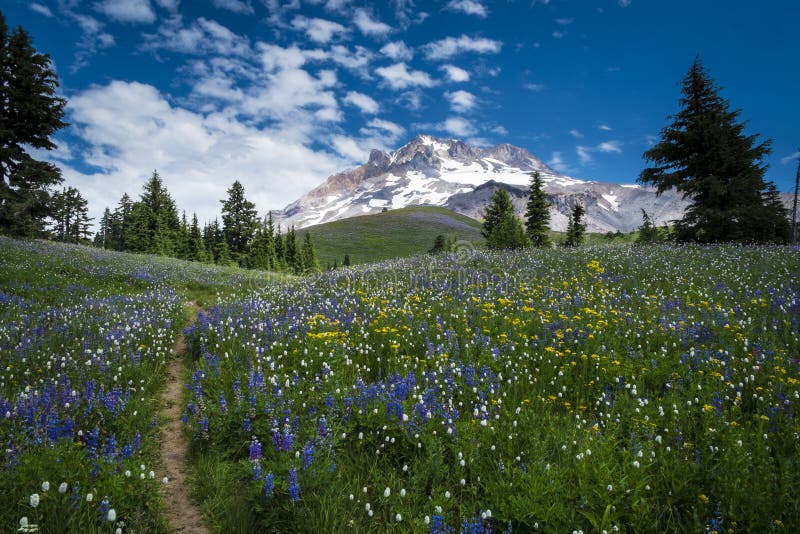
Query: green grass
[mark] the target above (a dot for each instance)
(392, 234)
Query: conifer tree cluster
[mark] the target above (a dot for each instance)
(70, 215)
(504, 230)
(152, 225)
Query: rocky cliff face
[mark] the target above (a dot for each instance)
(450, 173)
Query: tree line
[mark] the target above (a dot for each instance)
(152, 225)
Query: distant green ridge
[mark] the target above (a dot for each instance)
(391, 234)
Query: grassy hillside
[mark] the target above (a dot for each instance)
(407, 231)
(392, 234)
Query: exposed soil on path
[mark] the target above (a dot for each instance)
(183, 515)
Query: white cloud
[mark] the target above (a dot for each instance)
(559, 34)
(557, 162)
(169, 5)
(130, 129)
(318, 30)
(470, 7)
(363, 102)
(397, 50)
(455, 74)
(451, 46)
(458, 126)
(624, 3)
(41, 9)
(461, 101)
(369, 26)
(356, 60)
(399, 77)
(610, 146)
(603, 126)
(790, 158)
(242, 7)
(584, 154)
(576, 134)
(499, 130)
(127, 10)
(93, 38)
(536, 87)
(201, 37)
(395, 130)
(564, 21)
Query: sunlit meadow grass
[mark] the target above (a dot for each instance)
(619, 388)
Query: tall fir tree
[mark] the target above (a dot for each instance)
(308, 256)
(261, 253)
(196, 246)
(280, 251)
(70, 214)
(103, 235)
(575, 227)
(501, 226)
(648, 232)
(154, 225)
(30, 113)
(239, 221)
(120, 221)
(705, 155)
(293, 261)
(537, 214)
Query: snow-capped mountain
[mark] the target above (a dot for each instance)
(450, 173)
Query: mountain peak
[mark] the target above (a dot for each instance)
(429, 170)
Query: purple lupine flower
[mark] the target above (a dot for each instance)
(308, 454)
(269, 484)
(255, 450)
(294, 485)
(322, 427)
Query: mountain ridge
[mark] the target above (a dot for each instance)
(450, 173)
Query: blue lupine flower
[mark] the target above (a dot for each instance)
(294, 485)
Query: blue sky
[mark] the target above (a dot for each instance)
(280, 95)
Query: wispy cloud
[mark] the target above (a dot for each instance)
(470, 7)
(610, 146)
(536, 87)
(131, 11)
(790, 158)
(363, 102)
(458, 126)
(576, 134)
(585, 152)
(399, 77)
(557, 162)
(451, 46)
(41, 9)
(461, 101)
(369, 25)
(564, 21)
(242, 7)
(397, 50)
(624, 3)
(603, 126)
(318, 30)
(455, 74)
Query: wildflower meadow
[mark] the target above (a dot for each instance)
(616, 388)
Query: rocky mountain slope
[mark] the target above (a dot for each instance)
(450, 173)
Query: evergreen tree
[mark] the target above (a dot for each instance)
(101, 238)
(575, 227)
(705, 155)
(346, 262)
(280, 252)
(70, 213)
(308, 256)
(501, 227)
(499, 206)
(261, 254)
(648, 232)
(119, 224)
(182, 243)
(293, 260)
(154, 225)
(239, 221)
(537, 215)
(30, 113)
(196, 246)
(439, 245)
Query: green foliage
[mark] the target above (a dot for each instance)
(196, 247)
(705, 155)
(30, 113)
(154, 226)
(70, 214)
(239, 222)
(648, 232)
(501, 227)
(575, 227)
(440, 245)
(309, 263)
(537, 215)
